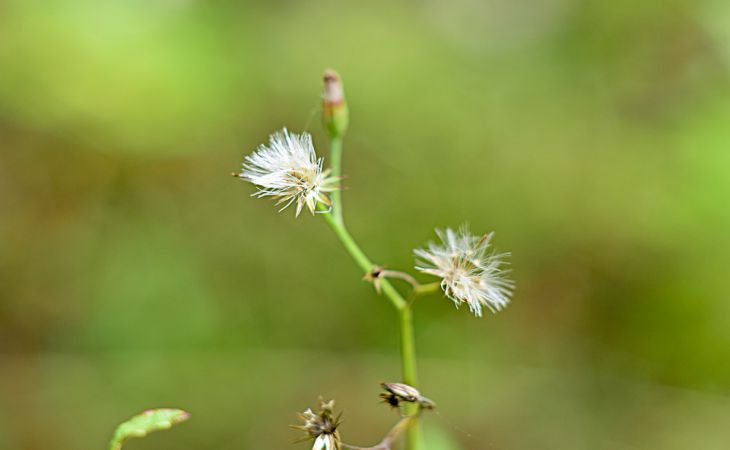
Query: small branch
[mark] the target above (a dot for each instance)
(389, 439)
(377, 274)
(424, 289)
(400, 275)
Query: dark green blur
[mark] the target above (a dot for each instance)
(592, 136)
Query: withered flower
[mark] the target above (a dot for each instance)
(321, 426)
(397, 393)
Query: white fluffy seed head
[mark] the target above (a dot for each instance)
(470, 271)
(288, 170)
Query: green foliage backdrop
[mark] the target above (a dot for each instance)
(592, 136)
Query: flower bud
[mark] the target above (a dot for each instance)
(335, 116)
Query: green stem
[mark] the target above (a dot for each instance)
(408, 347)
(423, 289)
(407, 340)
(410, 375)
(362, 260)
(336, 166)
(408, 350)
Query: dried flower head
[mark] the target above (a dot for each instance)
(321, 426)
(470, 273)
(397, 393)
(288, 169)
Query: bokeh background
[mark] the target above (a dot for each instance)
(592, 136)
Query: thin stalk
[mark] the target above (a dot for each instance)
(410, 375)
(336, 167)
(423, 289)
(408, 347)
(418, 289)
(389, 438)
(401, 276)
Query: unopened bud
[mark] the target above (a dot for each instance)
(335, 116)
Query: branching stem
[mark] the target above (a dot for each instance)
(407, 342)
(383, 273)
(389, 439)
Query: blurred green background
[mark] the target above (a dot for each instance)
(592, 136)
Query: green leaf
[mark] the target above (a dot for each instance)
(145, 423)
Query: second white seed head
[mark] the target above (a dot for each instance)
(470, 271)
